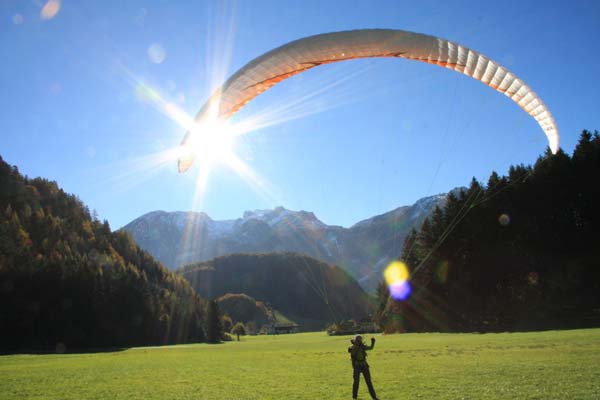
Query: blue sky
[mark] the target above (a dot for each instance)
(369, 136)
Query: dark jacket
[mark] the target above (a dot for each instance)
(358, 354)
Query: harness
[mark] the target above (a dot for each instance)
(358, 355)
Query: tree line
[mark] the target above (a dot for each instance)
(67, 281)
(517, 253)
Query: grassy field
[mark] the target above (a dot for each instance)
(543, 365)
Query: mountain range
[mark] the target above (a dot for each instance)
(363, 250)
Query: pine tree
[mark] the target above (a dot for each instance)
(382, 296)
(214, 329)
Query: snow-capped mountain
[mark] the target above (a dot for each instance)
(180, 238)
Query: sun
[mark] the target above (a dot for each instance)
(211, 142)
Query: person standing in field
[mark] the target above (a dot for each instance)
(358, 355)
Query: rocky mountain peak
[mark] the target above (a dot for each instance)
(179, 238)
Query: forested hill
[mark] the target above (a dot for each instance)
(67, 281)
(521, 252)
(306, 290)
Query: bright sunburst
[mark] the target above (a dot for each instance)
(211, 143)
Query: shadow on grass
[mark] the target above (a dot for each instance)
(60, 350)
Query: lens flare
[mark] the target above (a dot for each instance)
(156, 53)
(533, 278)
(400, 291)
(504, 219)
(18, 19)
(146, 93)
(396, 276)
(50, 9)
(396, 272)
(55, 88)
(441, 272)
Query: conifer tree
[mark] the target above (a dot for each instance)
(516, 254)
(214, 329)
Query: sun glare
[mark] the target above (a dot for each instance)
(211, 143)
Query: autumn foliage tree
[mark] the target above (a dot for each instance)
(238, 329)
(67, 281)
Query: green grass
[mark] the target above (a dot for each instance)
(547, 365)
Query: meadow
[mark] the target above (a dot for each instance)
(535, 365)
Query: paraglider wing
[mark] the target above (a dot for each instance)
(303, 54)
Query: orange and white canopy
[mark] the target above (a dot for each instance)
(303, 54)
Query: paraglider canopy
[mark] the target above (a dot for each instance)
(303, 54)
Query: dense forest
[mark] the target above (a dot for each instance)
(307, 291)
(240, 307)
(67, 281)
(516, 253)
(520, 252)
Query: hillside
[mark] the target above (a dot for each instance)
(518, 252)
(243, 308)
(363, 250)
(309, 292)
(68, 282)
